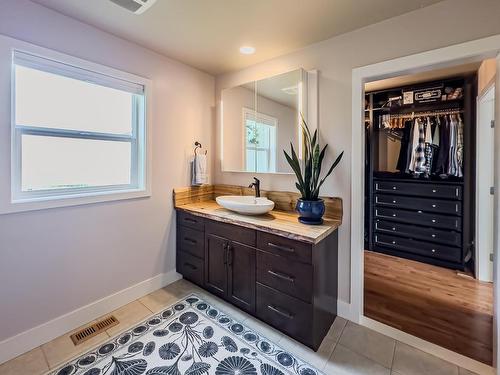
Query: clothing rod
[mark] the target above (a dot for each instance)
(426, 114)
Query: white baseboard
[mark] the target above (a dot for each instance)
(428, 347)
(36, 336)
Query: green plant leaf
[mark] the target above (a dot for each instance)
(335, 163)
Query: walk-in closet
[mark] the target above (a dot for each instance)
(420, 210)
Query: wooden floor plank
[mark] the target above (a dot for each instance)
(433, 303)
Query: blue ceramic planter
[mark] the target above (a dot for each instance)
(311, 212)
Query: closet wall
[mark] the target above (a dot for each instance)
(420, 171)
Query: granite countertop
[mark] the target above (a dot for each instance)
(281, 223)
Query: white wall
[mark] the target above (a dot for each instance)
(446, 23)
(56, 260)
(235, 99)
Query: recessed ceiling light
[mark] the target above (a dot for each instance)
(247, 50)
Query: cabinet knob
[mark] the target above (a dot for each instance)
(393, 229)
(419, 211)
(394, 188)
(394, 201)
(434, 190)
(433, 220)
(394, 215)
(433, 206)
(394, 242)
(433, 236)
(433, 250)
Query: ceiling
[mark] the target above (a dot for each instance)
(207, 34)
(411, 79)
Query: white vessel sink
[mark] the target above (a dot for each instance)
(245, 204)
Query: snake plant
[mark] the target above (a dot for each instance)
(308, 175)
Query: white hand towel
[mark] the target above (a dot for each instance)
(199, 170)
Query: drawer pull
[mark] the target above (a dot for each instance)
(394, 242)
(393, 215)
(190, 220)
(394, 188)
(281, 276)
(433, 250)
(192, 266)
(433, 206)
(393, 229)
(394, 201)
(280, 312)
(282, 248)
(433, 220)
(434, 190)
(190, 240)
(419, 211)
(433, 235)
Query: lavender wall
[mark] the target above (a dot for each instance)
(56, 260)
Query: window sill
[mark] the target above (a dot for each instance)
(42, 203)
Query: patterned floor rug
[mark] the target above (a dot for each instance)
(190, 337)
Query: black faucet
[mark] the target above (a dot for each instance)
(256, 185)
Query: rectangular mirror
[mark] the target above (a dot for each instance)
(259, 120)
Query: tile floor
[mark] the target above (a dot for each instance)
(347, 349)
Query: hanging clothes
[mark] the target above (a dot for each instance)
(419, 153)
(441, 164)
(452, 157)
(428, 147)
(404, 154)
(460, 146)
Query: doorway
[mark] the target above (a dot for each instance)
(450, 57)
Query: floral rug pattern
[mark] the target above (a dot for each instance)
(190, 337)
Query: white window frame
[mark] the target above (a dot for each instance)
(140, 139)
(268, 120)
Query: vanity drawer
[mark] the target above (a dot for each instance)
(419, 247)
(420, 218)
(420, 189)
(420, 204)
(292, 278)
(191, 221)
(288, 314)
(427, 234)
(190, 267)
(231, 232)
(191, 241)
(290, 249)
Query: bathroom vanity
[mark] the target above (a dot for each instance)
(271, 266)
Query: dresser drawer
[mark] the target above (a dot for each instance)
(420, 218)
(419, 189)
(292, 278)
(288, 314)
(290, 249)
(419, 247)
(191, 241)
(191, 221)
(190, 267)
(231, 232)
(419, 204)
(422, 233)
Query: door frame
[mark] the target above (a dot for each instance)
(463, 53)
(478, 258)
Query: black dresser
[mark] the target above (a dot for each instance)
(419, 220)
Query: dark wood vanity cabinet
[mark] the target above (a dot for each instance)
(289, 284)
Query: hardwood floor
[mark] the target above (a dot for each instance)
(433, 303)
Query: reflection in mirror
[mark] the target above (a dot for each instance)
(259, 120)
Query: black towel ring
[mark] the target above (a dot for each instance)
(198, 146)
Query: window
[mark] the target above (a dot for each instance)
(260, 141)
(76, 132)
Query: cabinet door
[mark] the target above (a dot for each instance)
(216, 264)
(241, 269)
